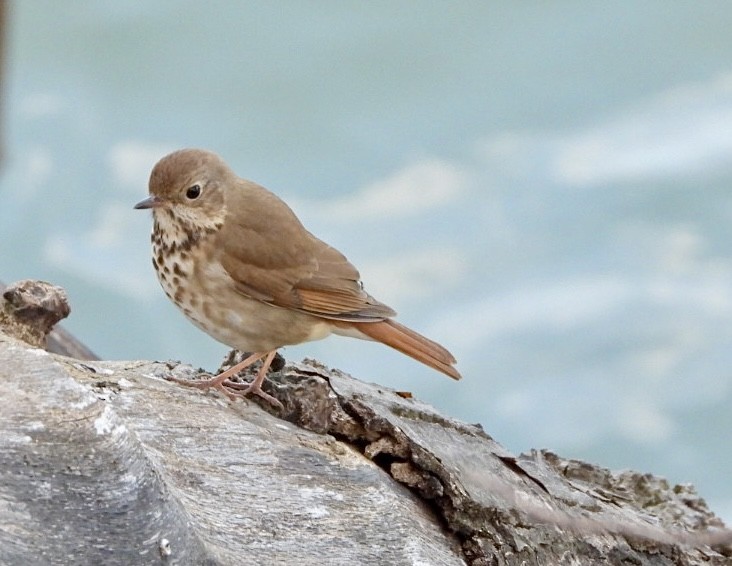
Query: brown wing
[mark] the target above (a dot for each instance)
(274, 259)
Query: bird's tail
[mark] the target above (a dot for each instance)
(409, 342)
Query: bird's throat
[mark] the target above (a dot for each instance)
(172, 234)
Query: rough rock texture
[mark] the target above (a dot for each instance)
(109, 463)
(30, 311)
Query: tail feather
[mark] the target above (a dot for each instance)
(409, 342)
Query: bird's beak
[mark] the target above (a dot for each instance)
(150, 202)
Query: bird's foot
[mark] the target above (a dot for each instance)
(213, 383)
(244, 389)
(223, 383)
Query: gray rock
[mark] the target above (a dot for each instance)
(30, 311)
(108, 463)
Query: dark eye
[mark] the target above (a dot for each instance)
(193, 192)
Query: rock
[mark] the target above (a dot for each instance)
(109, 463)
(30, 310)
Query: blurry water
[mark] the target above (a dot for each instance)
(543, 187)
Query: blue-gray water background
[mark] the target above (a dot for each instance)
(544, 187)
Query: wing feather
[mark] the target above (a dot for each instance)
(274, 259)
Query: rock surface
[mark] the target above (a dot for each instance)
(30, 311)
(109, 463)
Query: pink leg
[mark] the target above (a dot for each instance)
(255, 387)
(222, 383)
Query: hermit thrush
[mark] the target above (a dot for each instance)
(239, 264)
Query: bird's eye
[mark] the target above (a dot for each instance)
(193, 192)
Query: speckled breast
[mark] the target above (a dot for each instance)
(191, 274)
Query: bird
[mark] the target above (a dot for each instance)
(241, 266)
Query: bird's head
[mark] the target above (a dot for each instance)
(187, 187)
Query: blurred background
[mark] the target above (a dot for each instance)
(543, 187)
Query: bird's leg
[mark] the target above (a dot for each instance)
(221, 381)
(255, 387)
(233, 370)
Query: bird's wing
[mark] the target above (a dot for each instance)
(274, 259)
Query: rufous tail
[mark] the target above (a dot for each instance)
(409, 342)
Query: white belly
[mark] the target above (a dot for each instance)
(230, 317)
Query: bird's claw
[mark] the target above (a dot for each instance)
(244, 389)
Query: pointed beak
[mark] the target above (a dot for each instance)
(149, 202)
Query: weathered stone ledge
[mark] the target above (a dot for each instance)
(108, 463)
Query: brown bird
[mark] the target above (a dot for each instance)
(239, 264)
